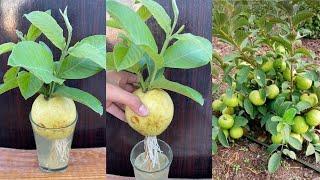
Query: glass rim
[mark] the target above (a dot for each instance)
(170, 158)
(73, 122)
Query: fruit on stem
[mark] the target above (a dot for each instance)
(217, 105)
(303, 83)
(231, 101)
(310, 98)
(279, 65)
(225, 121)
(256, 98)
(236, 132)
(272, 91)
(228, 110)
(267, 66)
(313, 117)
(277, 138)
(300, 126)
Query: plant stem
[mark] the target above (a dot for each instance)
(142, 83)
(291, 72)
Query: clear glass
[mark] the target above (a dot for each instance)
(143, 171)
(53, 146)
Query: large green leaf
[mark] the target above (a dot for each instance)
(126, 57)
(77, 68)
(110, 62)
(10, 84)
(36, 59)
(81, 97)
(188, 52)
(6, 47)
(29, 84)
(11, 74)
(163, 83)
(137, 30)
(33, 32)
(159, 14)
(48, 26)
(301, 17)
(274, 162)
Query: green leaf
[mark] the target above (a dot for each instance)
(77, 68)
(240, 121)
(163, 83)
(92, 48)
(11, 74)
(6, 47)
(188, 52)
(300, 17)
(310, 150)
(289, 153)
(81, 97)
(34, 32)
(303, 105)
(110, 62)
(274, 162)
(48, 26)
(125, 57)
(289, 116)
(272, 148)
(135, 27)
(282, 41)
(306, 52)
(222, 139)
(214, 147)
(249, 107)
(295, 143)
(11, 84)
(242, 74)
(29, 84)
(144, 13)
(175, 9)
(260, 77)
(159, 14)
(317, 156)
(36, 59)
(276, 119)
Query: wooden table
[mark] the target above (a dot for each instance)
(23, 164)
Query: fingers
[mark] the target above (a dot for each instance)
(118, 95)
(116, 111)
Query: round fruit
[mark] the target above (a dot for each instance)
(228, 110)
(255, 98)
(272, 91)
(226, 121)
(313, 117)
(315, 138)
(217, 105)
(287, 74)
(160, 107)
(297, 136)
(277, 139)
(236, 132)
(226, 133)
(300, 126)
(312, 98)
(51, 114)
(231, 102)
(303, 83)
(279, 65)
(267, 66)
(281, 50)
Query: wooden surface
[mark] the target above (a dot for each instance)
(87, 18)
(113, 177)
(23, 164)
(189, 135)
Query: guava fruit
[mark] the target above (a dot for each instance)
(217, 105)
(267, 66)
(287, 74)
(53, 116)
(231, 101)
(280, 50)
(160, 107)
(225, 121)
(297, 136)
(303, 83)
(255, 98)
(315, 138)
(272, 91)
(277, 139)
(236, 132)
(279, 65)
(228, 110)
(300, 126)
(226, 133)
(310, 98)
(313, 117)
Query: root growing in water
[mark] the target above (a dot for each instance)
(59, 153)
(152, 151)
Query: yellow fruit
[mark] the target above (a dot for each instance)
(300, 126)
(217, 105)
(303, 83)
(255, 98)
(267, 66)
(272, 91)
(287, 74)
(161, 109)
(236, 132)
(313, 117)
(277, 139)
(226, 121)
(231, 101)
(52, 114)
(312, 98)
(228, 110)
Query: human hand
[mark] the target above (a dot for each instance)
(119, 88)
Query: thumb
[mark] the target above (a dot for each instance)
(118, 95)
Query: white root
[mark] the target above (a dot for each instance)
(59, 153)
(152, 150)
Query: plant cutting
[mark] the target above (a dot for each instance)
(278, 90)
(35, 71)
(138, 53)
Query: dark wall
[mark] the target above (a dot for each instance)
(87, 18)
(189, 135)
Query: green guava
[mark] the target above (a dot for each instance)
(225, 121)
(256, 99)
(310, 98)
(287, 74)
(53, 116)
(315, 138)
(303, 83)
(313, 117)
(277, 139)
(279, 65)
(267, 66)
(217, 105)
(236, 132)
(160, 107)
(272, 91)
(300, 126)
(231, 101)
(228, 110)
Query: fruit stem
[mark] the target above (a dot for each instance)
(142, 83)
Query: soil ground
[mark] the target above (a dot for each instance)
(248, 160)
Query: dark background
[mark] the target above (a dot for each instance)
(189, 135)
(87, 18)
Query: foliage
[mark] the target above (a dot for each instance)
(276, 88)
(138, 51)
(32, 66)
